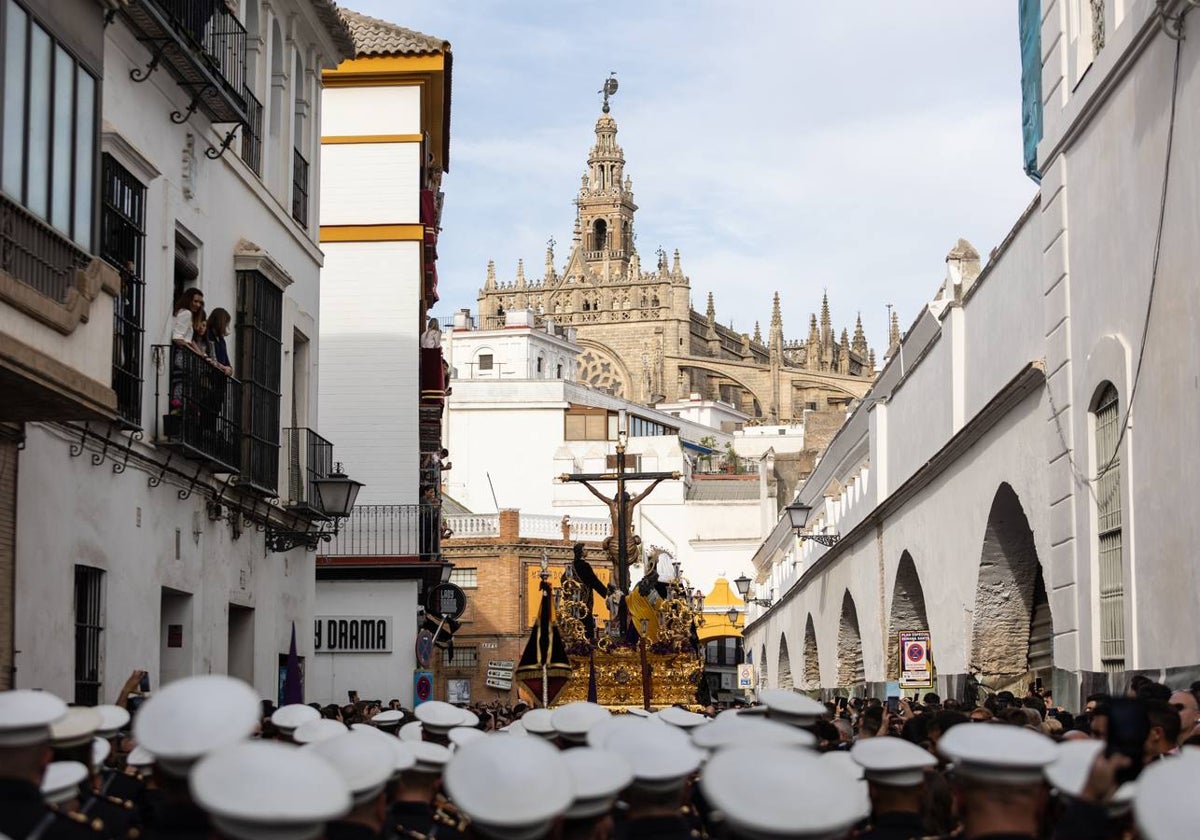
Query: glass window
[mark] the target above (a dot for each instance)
(37, 194)
(462, 657)
(16, 32)
(85, 133)
(466, 578)
(60, 152)
(485, 361)
(1109, 530)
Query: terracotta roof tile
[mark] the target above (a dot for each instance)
(330, 16)
(379, 37)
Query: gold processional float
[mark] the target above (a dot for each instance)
(647, 654)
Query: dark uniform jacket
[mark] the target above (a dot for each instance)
(418, 821)
(894, 827)
(24, 816)
(658, 828)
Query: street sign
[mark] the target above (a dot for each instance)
(446, 600)
(422, 687)
(745, 676)
(424, 648)
(495, 682)
(501, 665)
(916, 664)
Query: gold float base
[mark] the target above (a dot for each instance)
(674, 678)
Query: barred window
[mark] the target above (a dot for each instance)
(466, 578)
(89, 626)
(122, 243)
(464, 657)
(1107, 422)
(260, 361)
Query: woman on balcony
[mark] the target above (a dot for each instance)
(183, 340)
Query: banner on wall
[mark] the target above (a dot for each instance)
(916, 660)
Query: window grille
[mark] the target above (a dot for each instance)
(463, 657)
(259, 360)
(1109, 531)
(89, 626)
(466, 578)
(122, 243)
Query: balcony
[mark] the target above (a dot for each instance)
(381, 531)
(202, 45)
(37, 254)
(299, 188)
(252, 134)
(198, 408)
(309, 457)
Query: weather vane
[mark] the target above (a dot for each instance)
(610, 87)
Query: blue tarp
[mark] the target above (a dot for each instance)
(695, 447)
(1030, 24)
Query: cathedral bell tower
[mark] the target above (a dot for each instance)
(605, 200)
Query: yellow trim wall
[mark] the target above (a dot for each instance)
(372, 233)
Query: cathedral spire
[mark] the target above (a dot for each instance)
(520, 274)
(711, 312)
(550, 259)
(812, 348)
(776, 339)
(826, 323)
(843, 362)
(757, 333)
(893, 335)
(859, 344)
(676, 271)
(491, 275)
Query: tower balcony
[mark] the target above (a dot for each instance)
(610, 253)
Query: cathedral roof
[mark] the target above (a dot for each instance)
(375, 37)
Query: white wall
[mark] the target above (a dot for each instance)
(370, 183)
(370, 298)
(381, 676)
(376, 110)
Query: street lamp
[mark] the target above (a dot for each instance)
(743, 587)
(732, 615)
(798, 516)
(335, 495)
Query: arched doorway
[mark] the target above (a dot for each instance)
(1013, 634)
(851, 673)
(762, 667)
(907, 612)
(785, 664)
(812, 660)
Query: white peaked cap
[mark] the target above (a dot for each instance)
(61, 781)
(892, 761)
(26, 716)
(265, 790)
(998, 753)
(791, 707)
(790, 794)
(112, 720)
(77, 728)
(750, 731)
(681, 718)
(573, 720)
(388, 719)
(101, 749)
(428, 757)
(662, 757)
(411, 731)
(597, 777)
(839, 761)
(460, 735)
(139, 756)
(321, 729)
(191, 717)
(438, 717)
(289, 718)
(540, 722)
(364, 761)
(599, 734)
(1165, 806)
(511, 788)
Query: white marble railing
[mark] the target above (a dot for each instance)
(474, 524)
(590, 528)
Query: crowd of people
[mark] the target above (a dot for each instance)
(204, 757)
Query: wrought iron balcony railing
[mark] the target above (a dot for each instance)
(388, 531)
(203, 46)
(37, 254)
(309, 457)
(299, 188)
(252, 133)
(199, 408)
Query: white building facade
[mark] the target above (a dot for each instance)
(516, 420)
(161, 535)
(1016, 481)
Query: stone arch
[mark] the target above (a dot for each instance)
(812, 659)
(754, 409)
(907, 612)
(600, 368)
(785, 663)
(1012, 636)
(849, 650)
(762, 666)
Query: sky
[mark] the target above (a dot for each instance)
(795, 146)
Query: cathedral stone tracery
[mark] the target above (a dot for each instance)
(643, 340)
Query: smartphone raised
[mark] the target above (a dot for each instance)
(893, 704)
(144, 682)
(1128, 728)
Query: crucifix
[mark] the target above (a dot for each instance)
(621, 505)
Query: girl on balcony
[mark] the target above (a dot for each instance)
(183, 337)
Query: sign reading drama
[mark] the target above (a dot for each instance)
(916, 664)
(353, 634)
